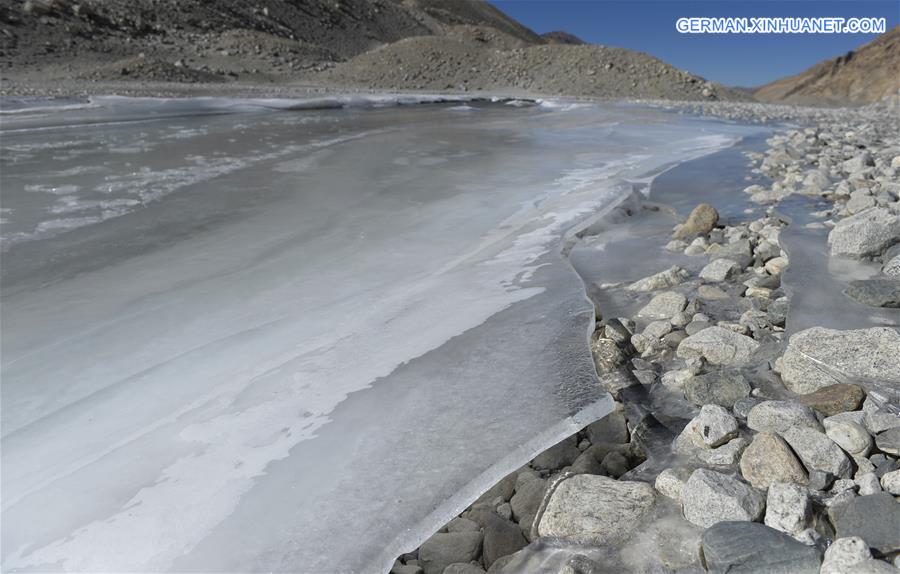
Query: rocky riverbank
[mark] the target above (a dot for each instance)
(738, 442)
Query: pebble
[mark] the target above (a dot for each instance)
(710, 497)
(890, 482)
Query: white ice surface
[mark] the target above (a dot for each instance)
(294, 352)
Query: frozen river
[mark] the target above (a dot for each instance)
(242, 338)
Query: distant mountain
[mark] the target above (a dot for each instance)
(560, 37)
(859, 77)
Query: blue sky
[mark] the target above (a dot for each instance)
(738, 60)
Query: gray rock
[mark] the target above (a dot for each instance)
(743, 406)
(580, 564)
(877, 419)
(608, 356)
(462, 525)
(695, 327)
(657, 329)
(751, 548)
(727, 454)
(718, 346)
(874, 518)
(863, 353)
(460, 568)
(557, 456)
(865, 234)
(701, 220)
(586, 463)
(443, 549)
(820, 480)
(662, 280)
(868, 483)
(715, 426)
(716, 388)
(778, 416)
(739, 251)
(670, 482)
(788, 508)
(501, 538)
(817, 451)
(871, 566)
(891, 267)
(710, 497)
(503, 489)
(844, 553)
(889, 441)
(883, 464)
(851, 437)
(890, 482)
(525, 503)
(719, 270)
(596, 509)
(876, 292)
(407, 568)
(664, 306)
(834, 399)
(769, 459)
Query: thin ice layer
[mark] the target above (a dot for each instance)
(312, 349)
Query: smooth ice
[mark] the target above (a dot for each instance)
(263, 336)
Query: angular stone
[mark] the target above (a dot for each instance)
(778, 416)
(717, 388)
(890, 482)
(612, 428)
(664, 305)
(557, 456)
(874, 518)
(445, 548)
(862, 353)
(662, 280)
(670, 482)
(525, 503)
(876, 292)
(739, 251)
(710, 497)
(788, 508)
(844, 553)
(596, 509)
(501, 538)
(718, 346)
(868, 483)
(865, 234)
(607, 354)
(719, 270)
(751, 548)
(715, 426)
(834, 399)
(817, 451)
(727, 454)
(701, 220)
(769, 459)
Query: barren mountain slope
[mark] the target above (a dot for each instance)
(859, 77)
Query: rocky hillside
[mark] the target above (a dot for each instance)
(561, 37)
(864, 76)
(382, 44)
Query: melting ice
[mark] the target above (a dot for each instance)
(282, 336)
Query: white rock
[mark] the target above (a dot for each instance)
(778, 416)
(776, 265)
(664, 305)
(850, 436)
(670, 482)
(720, 270)
(715, 426)
(718, 346)
(865, 234)
(788, 508)
(710, 497)
(868, 484)
(844, 553)
(890, 482)
(668, 278)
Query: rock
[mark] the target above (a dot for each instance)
(742, 407)
(580, 564)
(850, 436)
(727, 454)
(778, 416)
(525, 503)
(501, 538)
(557, 456)
(874, 518)
(715, 426)
(890, 482)
(701, 220)
(614, 464)
(720, 270)
(865, 234)
(891, 267)
(877, 419)
(596, 509)
(407, 569)
(817, 451)
(876, 292)
(460, 568)
(834, 399)
(739, 251)
(820, 480)
(670, 482)
(718, 346)
(613, 428)
(445, 548)
(769, 459)
(462, 525)
(717, 388)
(883, 464)
(502, 489)
(844, 553)
(586, 463)
(607, 354)
(871, 566)
(788, 508)
(776, 265)
(889, 441)
(712, 293)
(710, 497)
(668, 278)
(862, 353)
(868, 483)
(617, 331)
(657, 329)
(751, 548)
(664, 305)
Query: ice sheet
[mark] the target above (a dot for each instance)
(296, 353)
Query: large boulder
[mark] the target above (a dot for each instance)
(596, 509)
(749, 548)
(719, 346)
(861, 353)
(710, 497)
(865, 234)
(701, 220)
